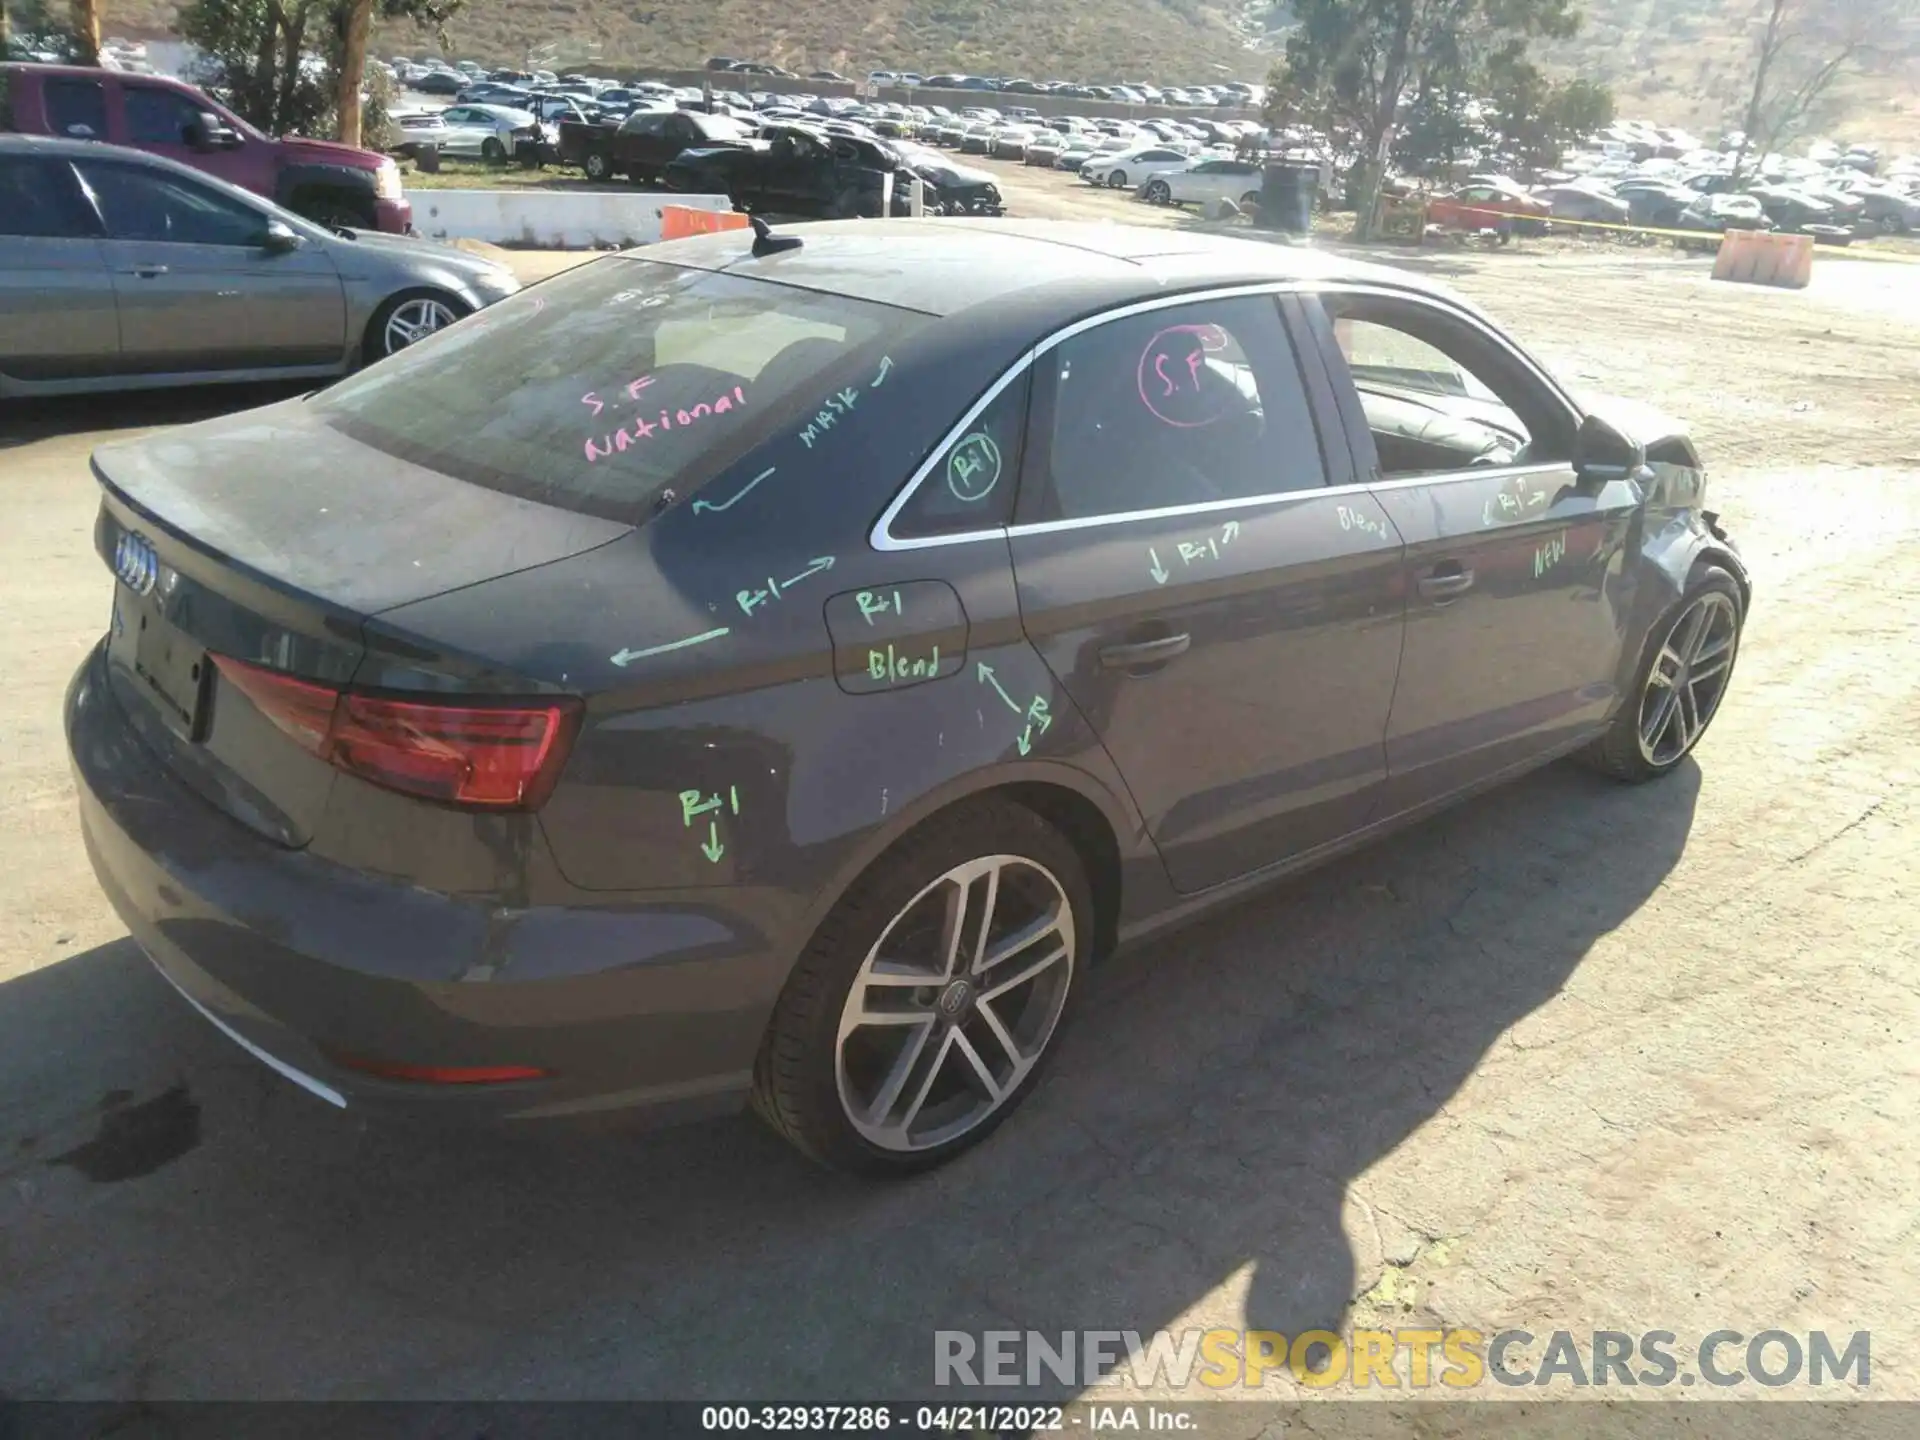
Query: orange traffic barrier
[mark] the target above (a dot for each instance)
(679, 221)
(1760, 257)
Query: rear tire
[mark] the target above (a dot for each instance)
(839, 1087)
(1681, 681)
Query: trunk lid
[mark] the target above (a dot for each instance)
(270, 538)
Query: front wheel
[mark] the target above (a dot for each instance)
(1117, 180)
(492, 151)
(597, 168)
(1159, 193)
(922, 1011)
(405, 319)
(1680, 683)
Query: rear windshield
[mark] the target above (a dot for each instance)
(605, 387)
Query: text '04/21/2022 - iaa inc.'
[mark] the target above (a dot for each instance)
(808, 751)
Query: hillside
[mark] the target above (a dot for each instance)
(1689, 62)
(1675, 61)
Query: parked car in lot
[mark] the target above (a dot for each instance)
(798, 170)
(516, 792)
(492, 132)
(1584, 203)
(1207, 182)
(1502, 208)
(1129, 168)
(328, 182)
(128, 271)
(437, 82)
(641, 146)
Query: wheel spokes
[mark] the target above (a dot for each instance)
(954, 1005)
(902, 1070)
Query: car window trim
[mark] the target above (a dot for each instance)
(881, 538)
(1366, 457)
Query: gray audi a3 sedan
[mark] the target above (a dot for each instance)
(776, 667)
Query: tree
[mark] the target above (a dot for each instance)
(353, 19)
(255, 53)
(1352, 66)
(1805, 46)
(1533, 120)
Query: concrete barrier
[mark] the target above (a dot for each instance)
(554, 219)
(1758, 257)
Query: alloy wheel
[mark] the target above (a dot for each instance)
(1688, 679)
(955, 1003)
(415, 320)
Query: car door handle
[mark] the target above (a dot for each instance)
(1144, 652)
(148, 272)
(1446, 582)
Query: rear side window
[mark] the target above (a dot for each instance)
(610, 385)
(1181, 406)
(76, 108)
(39, 199)
(971, 484)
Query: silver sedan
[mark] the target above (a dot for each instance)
(122, 270)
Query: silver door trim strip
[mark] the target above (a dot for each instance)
(882, 539)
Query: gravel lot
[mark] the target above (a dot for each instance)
(1571, 1056)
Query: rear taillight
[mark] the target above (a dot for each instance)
(489, 757)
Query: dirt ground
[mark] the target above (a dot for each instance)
(1572, 1056)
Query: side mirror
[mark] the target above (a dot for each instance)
(280, 238)
(1602, 451)
(207, 132)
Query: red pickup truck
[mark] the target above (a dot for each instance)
(329, 183)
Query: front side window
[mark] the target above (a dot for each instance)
(76, 108)
(165, 209)
(1440, 396)
(1181, 406)
(606, 387)
(157, 117)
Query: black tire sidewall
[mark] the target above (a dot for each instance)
(808, 1101)
(1709, 577)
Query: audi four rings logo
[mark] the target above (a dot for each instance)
(135, 563)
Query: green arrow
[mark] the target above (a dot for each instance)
(1025, 741)
(821, 562)
(1230, 533)
(1156, 570)
(713, 849)
(984, 672)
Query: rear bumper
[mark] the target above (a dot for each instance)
(650, 1009)
(395, 217)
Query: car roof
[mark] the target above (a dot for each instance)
(1052, 271)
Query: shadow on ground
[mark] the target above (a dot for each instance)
(177, 1222)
